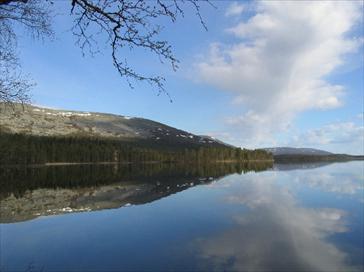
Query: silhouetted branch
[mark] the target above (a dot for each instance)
(35, 17)
(122, 24)
(129, 24)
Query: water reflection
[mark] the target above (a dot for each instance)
(231, 218)
(276, 233)
(31, 192)
(338, 181)
(299, 166)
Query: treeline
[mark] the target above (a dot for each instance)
(298, 158)
(28, 149)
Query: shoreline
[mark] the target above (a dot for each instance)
(127, 163)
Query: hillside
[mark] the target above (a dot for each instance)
(34, 135)
(37, 121)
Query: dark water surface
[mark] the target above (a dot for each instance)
(166, 217)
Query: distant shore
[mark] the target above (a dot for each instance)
(131, 163)
(298, 158)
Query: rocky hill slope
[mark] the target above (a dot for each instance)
(40, 121)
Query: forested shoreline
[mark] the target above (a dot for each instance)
(22, 149)
(300, 158)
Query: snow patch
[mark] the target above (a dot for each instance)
(70, 113)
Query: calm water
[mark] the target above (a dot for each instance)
(291, 217)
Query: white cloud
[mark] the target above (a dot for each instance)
(335, 137)
(234, 9)
(278, 66)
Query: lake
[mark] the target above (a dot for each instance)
(288, 217)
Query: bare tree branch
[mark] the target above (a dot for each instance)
(35, 17)
(122, 24)
(129, 24)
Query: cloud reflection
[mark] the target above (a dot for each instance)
(276, 233)
(327, 182)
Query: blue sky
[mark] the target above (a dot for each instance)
(264, 74)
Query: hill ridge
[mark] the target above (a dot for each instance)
(40, 121)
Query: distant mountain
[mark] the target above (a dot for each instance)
(33, 120)
(296, 151)
(307, 155)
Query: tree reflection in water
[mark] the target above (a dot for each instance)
(31, 192)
